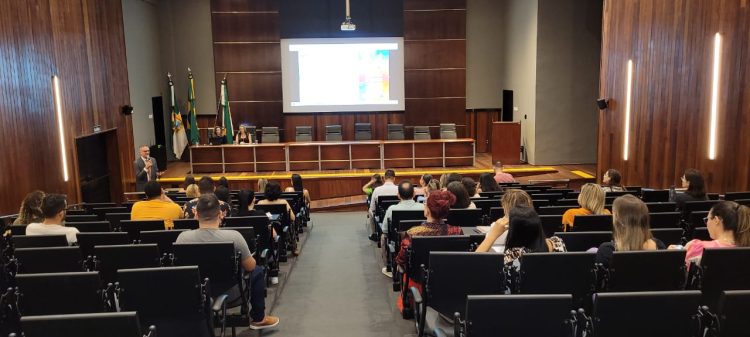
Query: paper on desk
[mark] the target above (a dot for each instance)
(483, 229)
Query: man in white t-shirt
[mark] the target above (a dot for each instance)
(53, 209)
(388, 188)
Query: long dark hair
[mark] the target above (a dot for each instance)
(614, 177)
(736, 218)
(459, 191)
(245, 198)
(525, 230)
(297, 182)
(487, 182)
(697, 187)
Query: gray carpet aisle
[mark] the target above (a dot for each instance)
(336, 288)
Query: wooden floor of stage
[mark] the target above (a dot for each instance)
(577, 174)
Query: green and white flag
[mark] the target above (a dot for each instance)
(193, 126)
(227, 114)
(179, 139)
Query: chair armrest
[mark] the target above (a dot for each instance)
(416, 295)
(439, 332)
(219, 303)
(264, 254)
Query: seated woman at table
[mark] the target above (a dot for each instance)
(217, 137)
(630, 229)
(498, 233)
(242, 137)
(591, 201)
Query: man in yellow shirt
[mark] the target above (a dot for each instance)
(157, 207)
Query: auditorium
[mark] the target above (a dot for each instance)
(371, 168)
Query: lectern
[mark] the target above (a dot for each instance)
(506, 142)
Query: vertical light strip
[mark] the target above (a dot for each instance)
(626, 142)
(714, 97)
(60, 129)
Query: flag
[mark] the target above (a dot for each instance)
(179, 139)
(227, 114)
(193, 124)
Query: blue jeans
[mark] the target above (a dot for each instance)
(257, 286)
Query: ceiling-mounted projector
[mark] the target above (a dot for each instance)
(348, 25)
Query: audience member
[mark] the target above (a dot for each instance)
(591, 201)
(31, 209)
(498, 233)
(487, 183)
(223, 181)
(158, 206)
(471, 187)
(500, 176)
(273, 197)
(145, 168)
(437, 207)
(53, 210)
(189, 180)
(222, 193)
(423, 181)
(728, 225)
(209, 214)
(406, 203)
(217, 137)
(611, 181)
(262, 182)
(298, 187)
(242, 137)
(695, 187)
(388, 188)
(375, 181)
(526, 235)
(451, 177)
(432, 186)
(463, 200)
(630, 229)
(246, 199)
(192, 191)
(442, 181)
(205, 186)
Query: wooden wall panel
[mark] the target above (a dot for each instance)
(434, 4)
(244, 5)
(245, 27)
(82, 41)
(671, 45)
(435, 83)
(435, 24)
(435, 54)
(252, 86)
(254, 57)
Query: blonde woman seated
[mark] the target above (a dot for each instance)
(273, 197)
(591, 201)
(498, 231)
(728, 225)
(192, 191)
(630, 229)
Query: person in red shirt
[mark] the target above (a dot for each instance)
(502, 177)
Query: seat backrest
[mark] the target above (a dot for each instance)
(453, 275)
(102, 211)
(655, 195)
(522, 315)
(81, 218)
(115, 219)
(588, 223)
(669, 236)
(110, 324)
(421, 246)
(185, 223)
(661, 207)
(217, 261)
(551, 197)
(470, 217)
(695, 219)
(697, 206)
(558, 273)
(667, 313)
(16, 230)
(724, 269)
(647, 271)
(49, 260)
(87, 241)
(567, 202)
(448, 131)
(333, 133)
(553, 210)
(111, 258)
(398, 216)
(303, 133)
(269, 134)
(161, 293)
(162, 238)
(362, 131)
(583, 241)
(31, 241)
(733, 196)
(60, 293)
(701, 233)
(94, 226)
(497, 213)
(551, 224)
(665, 220)
(134, 227)
(486, 205)
(259, 223)
(248, 233)
(89, 206)
(732, 311)
(422, 133)
(395, 132)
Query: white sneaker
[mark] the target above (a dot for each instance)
(274, 280)
(386, 272)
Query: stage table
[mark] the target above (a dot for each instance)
(322, 155)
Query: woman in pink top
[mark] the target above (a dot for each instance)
(728, 226)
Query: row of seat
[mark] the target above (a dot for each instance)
(362, 131)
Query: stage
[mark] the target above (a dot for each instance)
(341, 189)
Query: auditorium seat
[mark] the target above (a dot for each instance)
(185, 223)
(60, 293)
(555, 273)
(643, 271)
(720, 269)
(94, 226)
(108, 259)
(87, 241)
(163, 238)
(362, 131)
(732, 313)
(395, 132)
(334, 133)
(598, 222)
(448, 131)
(303, 133)
(665, 220)
(269, 134)
(134, 227)
(422, 133)
(48, 260)
(470, 217)
(32, 241)
(110, 324)
(516, 315)
(583, 241)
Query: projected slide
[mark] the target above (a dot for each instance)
(364, 74)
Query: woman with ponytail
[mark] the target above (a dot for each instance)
(728, 225)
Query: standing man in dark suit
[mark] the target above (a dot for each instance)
(145, 168)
